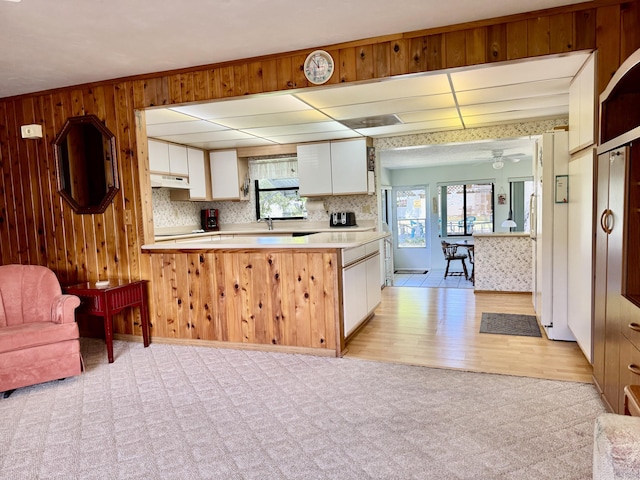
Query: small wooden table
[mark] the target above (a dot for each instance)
(108, 300)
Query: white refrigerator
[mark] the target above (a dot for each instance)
(549, 234)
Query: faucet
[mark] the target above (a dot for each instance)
(268, 220)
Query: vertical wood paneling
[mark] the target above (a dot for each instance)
(240, 80)
(496, 43)
(270, 75)
(607, 20)
(7, 212)
(538, 36)
(399, 56)
(297, 71)
(584, 22)
(517, 39)
(418, 55)
(200, 86)
(335, 77)
(381, 60)
(364, 62)
(630, 18)
(181, 295)
(435, 47)
(347, 65)
(285, 76)
(456, 48)
(476, 45)
(561, 33)
(254, 81)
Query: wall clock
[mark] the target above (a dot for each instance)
(318, 67)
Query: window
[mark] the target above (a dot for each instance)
(466, 209)
(411, 215)
(279, 199)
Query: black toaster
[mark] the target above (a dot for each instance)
(342, 219)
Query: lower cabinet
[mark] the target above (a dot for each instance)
(361, 287)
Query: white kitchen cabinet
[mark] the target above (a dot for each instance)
(361, 284)
(582, 107)
(167, 158)
(354, 278)
(314, 169)
(199, 178)
(333, 168)
(349, 166)
(228, 175)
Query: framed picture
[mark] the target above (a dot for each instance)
(562, 188)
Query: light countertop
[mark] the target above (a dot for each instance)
(502, 234)
(333, 239)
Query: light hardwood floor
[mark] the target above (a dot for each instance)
(439, 327)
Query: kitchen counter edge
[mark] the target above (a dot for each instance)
(321, 240)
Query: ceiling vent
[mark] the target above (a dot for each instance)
(370, 122)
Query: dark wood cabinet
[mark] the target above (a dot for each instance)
(616, 332)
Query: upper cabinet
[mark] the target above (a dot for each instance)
(582, 107)
(199, 178)
(167, 158)
(229, 175)
(334, 168)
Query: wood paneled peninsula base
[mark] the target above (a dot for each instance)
(109, 299)
(272, 293)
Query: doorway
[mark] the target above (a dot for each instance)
(410, 226)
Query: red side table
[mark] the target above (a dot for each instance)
(107, 300)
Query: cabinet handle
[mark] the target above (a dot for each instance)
(634, 326)
(633, 369)
(604, 221)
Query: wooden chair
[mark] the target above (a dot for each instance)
(472, 262)
(451, 253)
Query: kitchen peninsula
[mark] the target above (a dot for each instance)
(301, 294)
(502, 262)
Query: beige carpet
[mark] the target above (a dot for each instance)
(175, 412)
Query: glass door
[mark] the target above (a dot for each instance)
(411, 248)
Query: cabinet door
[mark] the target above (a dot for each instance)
(374, 291)
(314, 169)
(158, 157)
(178, 163)
(224, 175)
(354, 281)
(349, 167)
(197, 174)
(582, 105)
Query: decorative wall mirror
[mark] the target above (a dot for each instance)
(85, 153)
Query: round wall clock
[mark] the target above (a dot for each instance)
(318, 67)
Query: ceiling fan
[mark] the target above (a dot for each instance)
(498, 158)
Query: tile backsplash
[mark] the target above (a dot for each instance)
(169, 213)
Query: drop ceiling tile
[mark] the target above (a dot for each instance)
(281, 130)
(206, 136)
(178, 128)
(154, 116)
(315, 137)
(273, 119)
(425, 102)
(435, 125)
(505, 117)
(511, 92)
(256, 105)
(413, 86)
(219, 145)
(523, 104)
(518, 72)
(428, 115)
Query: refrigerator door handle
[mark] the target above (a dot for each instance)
(607, 227)
(534, 219)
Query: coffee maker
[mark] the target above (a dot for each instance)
(209, 219)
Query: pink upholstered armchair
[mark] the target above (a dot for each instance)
(39, 338)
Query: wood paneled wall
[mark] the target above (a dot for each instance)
(286, 297)
(38, 227)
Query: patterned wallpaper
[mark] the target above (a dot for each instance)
(503, 263)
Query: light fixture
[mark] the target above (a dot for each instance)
(509, 223)
(497, 164)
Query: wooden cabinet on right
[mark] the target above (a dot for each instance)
(616, 333)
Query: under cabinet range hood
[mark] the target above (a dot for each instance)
(169, 181)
